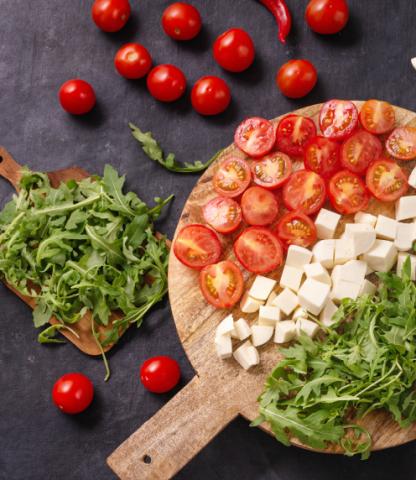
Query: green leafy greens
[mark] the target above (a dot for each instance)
(84, 246)
(367, 361)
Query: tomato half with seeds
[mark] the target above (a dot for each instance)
(258, 250)
(221, 284)
(197, 246)
(322, 156)
(347, 192)
(223, 214)
(272, 170)
(293, 133)
(255, 136)
(304, 192)
(358, 151)
(232, 177)
(386, 180)
(401, 143)
(295, 228)
(377, 116)
(338, 119)
(260, 206)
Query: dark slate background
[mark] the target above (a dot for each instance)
(42, 44)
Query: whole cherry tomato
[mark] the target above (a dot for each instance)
(327, 16)
(181, 21)
(234, 50)
(166, 83)
(133, 61)
(77, 97)
(73, 393)
(160, 374)
(210, 95)
(296, 78)
(111, 15)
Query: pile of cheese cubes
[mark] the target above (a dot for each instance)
(314, 282)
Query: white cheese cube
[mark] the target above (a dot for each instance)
(285, 331)
(367, 218)
(306, 326)
(249, 304)
(271, 298)
(298, 256)
(343, 289)
(291, 277)
(400, 261)
(382, 256)
(412, 178)
(362, 235)
(247, 355)
(327, 313)
(367, 288)
(226, 327)
(313, 295)
(369, 270)
(406, 207)
(317, 272)
(242, 329)
(326, 223)
(405, 235)
(269, 315)
(344, 251)
(352, 271)
(223, 346)
(413, 62)
(336, 273)
(323, 253)
(287, 301)
(261, 288)
(261, 334)
(300, 313)
(386, 227)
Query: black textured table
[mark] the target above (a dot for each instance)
(42, 44)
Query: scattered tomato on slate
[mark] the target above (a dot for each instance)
(210, 95)
(133, 61)
(327, 16)
(111, 15)
(77, 97)
(296, 78)
(181, 21)
(166, 83)
(234, 50)
(160, 374)
(73, 393)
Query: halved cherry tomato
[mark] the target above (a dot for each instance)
(221, 284)
(272, 170)
(223, 214)
(305, 192)
(293, 133)
(358, 151)
(338, 119)
(347, 192)
(377, 117)
(259, 206)
(386, 180)
(322, 156)
(258, 250)
(401, 143)
(197, 246)
(232, 177)
(255, 136)
(295, 228)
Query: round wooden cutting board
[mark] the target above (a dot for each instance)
(221, 390)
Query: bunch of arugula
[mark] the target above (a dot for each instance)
(367, 361)
(83, 246)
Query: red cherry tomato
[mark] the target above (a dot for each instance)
(181, 21)
(73, 393)
(377, 117)
(295, 228)
(386, 180)
(133, 61)
(223, 214)
(234, 50)
(111, 15)
(160, 374)
(77, 97)
(232, 177)
(258, 250)
(304, 192)
(358, 151)
(259, 206)
(293, 133)
(166, 83)
(210, 95)
(322, 156)
(296, 78)
(338, 119)
(221, 284)
(401, 143)
(272, 170)
(255, 136)
(327, 16)
(347, 192)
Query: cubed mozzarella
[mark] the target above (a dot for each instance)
(323, 253)
(247, 355)
(343, 289)
(300, 313)
(362, 235)
(317, 272)
(406, 207)
(271, 298)
(326, 223)
(269, 315)
(261, 334)
(226, 327)
(367, 288)
(298, 256)
(382, 256)
(400, 261)
(261, 288)
(291, 277)
(386, 227)
(413, 62)
(223, 346)
(313, 295)
(242, 329)
(352, 271)
(367, 218)
(412, 177)
(249, 304)
(344, 251)
(405, 236)
(306, 326)
(287, 301)
(285, 331)
(327, 313)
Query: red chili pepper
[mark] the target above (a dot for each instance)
(282, 15)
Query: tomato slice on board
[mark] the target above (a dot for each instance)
(293, 133)
(304, 192)
(222, 214)
(255, 136)
(272, 170)
(347, 192)
(221, 284)
(295, 228)
(232, 177)
(358, 151)
(401, 143)
(259, 206)
(258, 250)
(377, 116)
(197, 246)
(338, 119)
(322, 156)
(386, 180)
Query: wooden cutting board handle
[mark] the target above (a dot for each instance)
(175, 434)
(9, 168)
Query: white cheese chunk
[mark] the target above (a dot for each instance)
(300, 313)
(323, 253)
(317, 272)
(249, 304)
(367, 288)
(298, 256)
(386, 227)
(352, 271)
(400, 261)
(313, 295)
(382, 256)
(343, 289)
(223, 346)
(367, 218)
(412, 178)
(287, 301)
(291, 277)
(362, 235)
(369, 270)
(406, 207)
(261, 288)
(327, 313)
(306, 326)
(344, 251)
(226, 326)
(405, 235)
(269, 315)
(247, 355)
(242, 329)
(413, 62)
(271, 298)
(326, 223)
(285, 331)
(261, 334)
